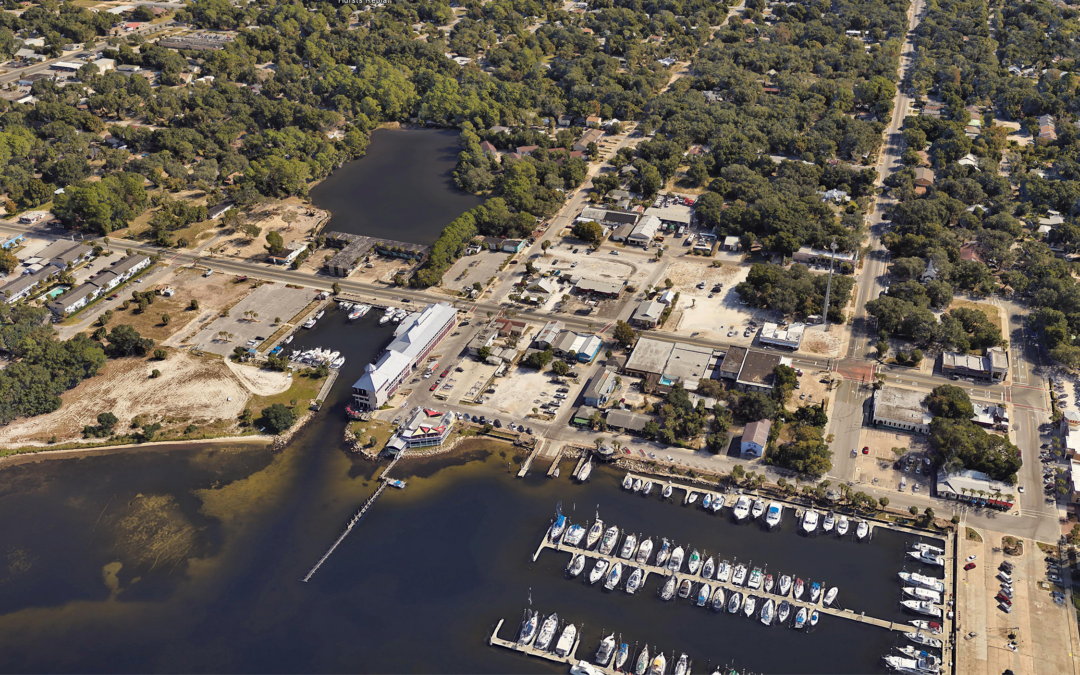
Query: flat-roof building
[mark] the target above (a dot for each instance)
(414, 339)
(605, 289)
(625, 420)
(74, 300)
(976, 488)
(789, 337)
(901, 409)
(675, 215)
(993, 367)
(664, 363)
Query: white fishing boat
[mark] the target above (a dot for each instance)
(598, 570)
(576, 566)
(718, 599)
(920, 639)
(921, 607)
(676, 559)
(923, 624)
(829, 523)
(758, 509)
(749, 605)
(693, 562)
(310, 323)
(922, 581)
(385, 318)
(800, 618)
(925, 664)
(681, 668)
(594, 533)
(739, 576)
(666, 493)
(742, 508)
(634, 582)
(830, 595)
(785, 584)
(842, 525)
(862, 530)
(717, 503)
(643, 552)
(566, 640)
(706, 501)
(585, 472)
(607, 544)
(642, 661)
(613, 576)
(574, 535)
(629, 547)
(783, 612)
(690, 498)
(659, 665)
(527, 633)
(708, 568)
(606, 650)
(664, 553)
(646, 490)
(809, 521)
(814, 616)
(923, 594)
(628, 482)
(684, 588)
(547, 632)
(723, 572)
(667, 591)
(769, 583)
(768, 612)
(338, 362)
(754, 582)
(287, 341)
(638, 484)
(734, 603)
(320, 314)
(927, 558)
(774, 514)
(704, 594)
(936, 550)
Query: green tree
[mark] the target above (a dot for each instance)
(275, 244)
(160, 354)
(8, 261)
(165, 319)
(589, 231)
(950, 401)
(624, 334)
(560, 368)
(126, 341)
(277, 418)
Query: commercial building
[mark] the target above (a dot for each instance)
(288, 256)
(355, 247)
(482, 340)
(648, 314)
(975, 487)
(414, 339)
(426, 428)
(607, 217)
(584, 347)
(901, 409)
(993, 367)
(582, 415)
(604, 289)
(199, 42)
(751, 369)
(548, 334)
(991, 416)
(598, 390)
(663, 364)
(624, 420)
(789, 337)
(674, 216)
(12, 241)
(807, 254)
(644, 231)
(755, 438)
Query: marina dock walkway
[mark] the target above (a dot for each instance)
(569, 659)
(529, 460)
(555, 462)
(727, 586)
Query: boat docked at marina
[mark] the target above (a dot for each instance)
(690, 498)
(783, 612)
(607, 544)
(566, 640)
(926, 640)
(922, 607)
(920, 593)
(621, 654)
(742, 508)
(923, 624)
(706, 501)
(628, 482)
(749, 605)
(646, 489)
(598, 570)
(338, 362)
(774, 514)
(667, 591)
(633, 584)
(799, 587)
(642, 661)
(718, 599)
(723, 573)
(830, 596)
(829, 523)
(576, 566)
(666, 492)
(809, 521)
(574, 535)
(754, 582)
(734, 603)
(638, 484)
(785, 584)
(909, 666)
(814, 616)
(769, 581)
(559, 526)
(605, 651)
(527, 633)
(758, 509)
(928, 548)
(768, 612)
(800, 618)
(708, 568)
(585, 472)
(815, 592)
(717, 503)
(738, 577)
(613, 576)
(704, 594)
(385, 318)
(675, 564)
(684, 588)
(659, 665)
(922, 581)
(664, 553)
(629, 547)
(359, 311)
(682, 667)
(310, 323)
(547, 632)
(595, 531)
(643, 552)
(842, 525)
(862, 530)
(693, 562)
(927, 558)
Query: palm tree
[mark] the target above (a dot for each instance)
(599, 443)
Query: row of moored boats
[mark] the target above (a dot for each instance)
(922, 595)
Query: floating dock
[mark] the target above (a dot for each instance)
(727, 586)
(569, 659)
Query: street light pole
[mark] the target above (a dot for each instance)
(828, 284)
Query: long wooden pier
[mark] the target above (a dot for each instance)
(728, 587)
(529, 460)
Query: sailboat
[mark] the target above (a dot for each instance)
(628, 482)
(676, 559)
(659, 664)
(706, 501)
(749, 605)
(717, 503)
(634, 582)
(576, 566)
(594, 533)
(768, 583)
(621, 655)
(663, 554)
(614, 575)
(643, 552)
(607, 648)
(694, 562)
(629, 547)
(566, 640)
(784, 611)
(682, 667)
(598, 570)
(768, 611)
(800, 618)
(559, 525)
(708, 568)
(785, 584)
(646, 490)
(642, 661)
(573, 535)
(734, 603)
(547, 632)
(704, 593)
(723, 573)
(585, 471)
(528, 628)
(815, 592)
(718, 599)
(798, 589)
(667, 591)
(691, 497)
(739, 577)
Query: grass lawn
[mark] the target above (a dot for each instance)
(382, 431)
(990, 310)
(303, 390)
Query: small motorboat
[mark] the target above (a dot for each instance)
(642, 661)
(704, 594)
(684, 588)
(576, 566)
(814, 616)
(830, 595)
(628, 482)
(594, 533)
(810, 521)
(785, 584)
(783, 612)
(634, 582)
(663, 554)
(758, 509)
(774, 514)
(629, 547)
(755, 579)
(717, 503)
(768, 583)
(734, 603)
(646, 490)
(693, 562)
(931, 626)
(829, 523)
(666, 492)
(667, 591)
(607, 544)
(675, 564)
(815, 592)
(691, 497)
(862, 530)
(621, 654)
(723, 573)
(708, 568)
(768, 612)
(585, 472)
(706, 501)
(718, 599)
(643, 552)
(566, 640)
(682, 667)
(800, 618)
(798, 589)
(922, 607)
(749, 605)
(598, 570)
(920, 639)
(614, 575)
(606, 650)
(528, 628)
(638, 484)
(659, 665)
(842, 526)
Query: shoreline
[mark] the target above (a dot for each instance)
(48, 454)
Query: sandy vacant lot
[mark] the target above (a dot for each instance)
(194, 390)
(713, 317)
(272, 218)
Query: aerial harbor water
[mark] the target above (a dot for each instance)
(402, 189)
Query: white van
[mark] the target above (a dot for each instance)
(1004, 576)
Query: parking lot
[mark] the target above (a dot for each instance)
(466, 386)
(270, 301)
(470, 269)
(720, 317)
(526, 389)
(877, 465)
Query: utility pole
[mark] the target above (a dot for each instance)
(828, 285)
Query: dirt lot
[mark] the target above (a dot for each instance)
(190, 390)
(472, 268)
(270, 301)
(271, 217)
(878, 465)
(470, 382)
(702, 316)
(991, 311)
(811, 390)
(524, 389)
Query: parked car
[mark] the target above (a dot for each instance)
(968, 567)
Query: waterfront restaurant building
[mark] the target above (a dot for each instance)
(426, 428)
(414, 340)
